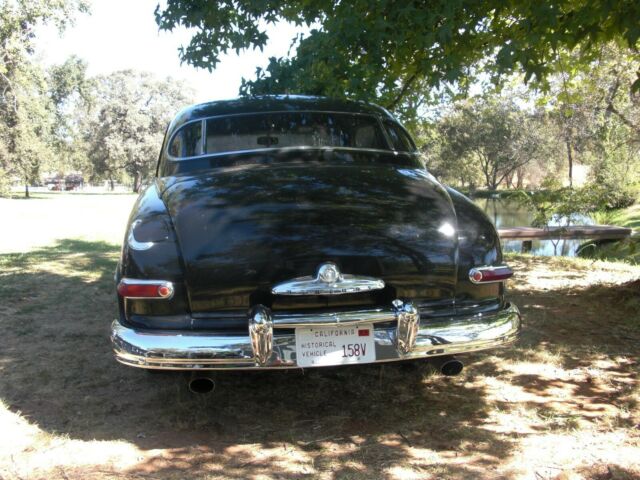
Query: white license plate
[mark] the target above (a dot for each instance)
(320, 346)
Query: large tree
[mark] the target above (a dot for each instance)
(602, 115)
(583, 97)
(71, 94)
(25, 107)
(490, 136)
(131, 115)
(399, 52)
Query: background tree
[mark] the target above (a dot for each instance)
(71, 93)
(597, 113)
(492, 134)
(440, 159)
(28, 133)
(585, 115)
(128, 122)
(614, 149)
(25, 109)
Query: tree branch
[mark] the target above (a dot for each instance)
(9, 87)
(623, 119)
(403, 91)
(613, 91)
(512, 169)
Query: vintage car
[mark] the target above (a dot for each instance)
(298, 232)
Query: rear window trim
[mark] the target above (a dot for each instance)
(203, 132)
(271, 149)
(406, 132)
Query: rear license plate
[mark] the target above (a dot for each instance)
(320, 346)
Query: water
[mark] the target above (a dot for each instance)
(505, 212)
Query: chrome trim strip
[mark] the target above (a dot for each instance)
(284, 149)
(160, 283)
(328, 281)
(186, 350)
(349, 317)
(135, 244)
(488, 268)
(203, 139)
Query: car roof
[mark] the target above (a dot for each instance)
(274, 103)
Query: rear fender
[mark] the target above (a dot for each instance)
(150, 251)
(478, 245)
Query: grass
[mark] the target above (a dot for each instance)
(627, 250)
(627, 217)
(38, 221)
(562, 403)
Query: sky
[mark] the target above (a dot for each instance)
(122, 34)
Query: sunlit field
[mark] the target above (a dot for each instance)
(46, 217)
(562, 403)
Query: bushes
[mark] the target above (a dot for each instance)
(615, 197)
(561, 205)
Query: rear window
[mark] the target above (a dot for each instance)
(280, 130)
(300, 129)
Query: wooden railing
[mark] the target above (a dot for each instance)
(592, 232)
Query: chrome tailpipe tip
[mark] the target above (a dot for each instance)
(447, 365)
(261, 333)
(201, 384)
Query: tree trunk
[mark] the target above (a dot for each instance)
(520, 181)
(494, 180)
(136, 182)
(489, 180)
(509, 180)
(26, 189)
(570, 157)
(112, 186)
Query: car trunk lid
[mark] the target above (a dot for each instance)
(244, 228)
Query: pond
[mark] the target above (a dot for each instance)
(506, 212)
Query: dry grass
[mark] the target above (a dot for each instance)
(563, 403)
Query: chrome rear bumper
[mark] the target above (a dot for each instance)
(264, 347)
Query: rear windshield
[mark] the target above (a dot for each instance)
(283, 130)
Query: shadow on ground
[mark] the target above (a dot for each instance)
(57, 304)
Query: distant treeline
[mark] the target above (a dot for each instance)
(518, 137)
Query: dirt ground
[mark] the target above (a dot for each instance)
(562, 403)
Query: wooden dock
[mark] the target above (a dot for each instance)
(592, 232)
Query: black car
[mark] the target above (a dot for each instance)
(296, 232)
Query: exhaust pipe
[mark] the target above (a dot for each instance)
(447, 365)
(201, 384)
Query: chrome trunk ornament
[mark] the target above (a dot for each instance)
(328, 281)
(407, 329)
(261, 333)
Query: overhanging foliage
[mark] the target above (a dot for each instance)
(397, 52)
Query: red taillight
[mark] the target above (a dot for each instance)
(164, 291)
(132, 288)
(475, 275)
(490, 274)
